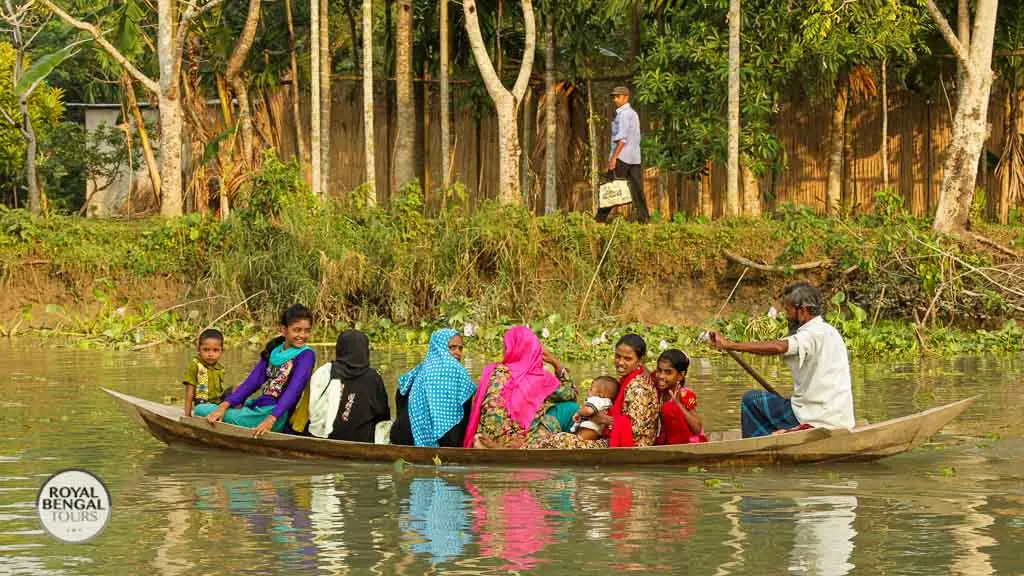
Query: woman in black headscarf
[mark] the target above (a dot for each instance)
(347, 398)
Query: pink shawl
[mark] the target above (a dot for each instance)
(526, 390)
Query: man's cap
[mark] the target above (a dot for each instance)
(620, 91)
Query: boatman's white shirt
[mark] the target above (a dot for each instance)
(822, 394)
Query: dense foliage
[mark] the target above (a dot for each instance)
(45, 110)
(895, 287)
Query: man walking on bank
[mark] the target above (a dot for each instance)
(624, 161)
(816, 354)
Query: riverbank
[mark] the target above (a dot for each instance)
(894, 286)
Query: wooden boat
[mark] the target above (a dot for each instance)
(869, 442)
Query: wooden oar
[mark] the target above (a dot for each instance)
(753, 373)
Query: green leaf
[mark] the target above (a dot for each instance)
(858, 312)
(213, 147)
(42, 68)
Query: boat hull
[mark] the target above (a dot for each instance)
(871, 442)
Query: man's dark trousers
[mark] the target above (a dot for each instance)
(634, 175)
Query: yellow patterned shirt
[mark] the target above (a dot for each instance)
(208, 381)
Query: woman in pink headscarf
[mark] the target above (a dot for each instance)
(515, 394)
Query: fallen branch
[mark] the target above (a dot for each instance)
(175, 307)
(993, 244)
(878, 307)
(141, 347)
(917, 332)
(772, 268)
(232, 309)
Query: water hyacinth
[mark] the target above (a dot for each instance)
(545, 333)
(468, 329)
(662, 346)
(773, 313)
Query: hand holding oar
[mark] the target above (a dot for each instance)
(718, 341)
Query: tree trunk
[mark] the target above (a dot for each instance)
(389, 102)
(837, 135)
(505, 102)
(426, 128)
(27, 130)
(1011, 163)
(969, 123)
(885, 126)
(300, 136)
(405, 139)
(1004, 172)
(315, 60)
(446, 180)
(751, 192)
(31, 177)
(353, 31)
(131, 166)
(592, 137)
(499, 60)
(224, 97)
(963, 17)
(233, 74)
(368, 143)
(508, 151)
(636, 31)
(169, 56)
(140, 127)
(529, 116)
(707, 201)
(325, 98)
(550, 121)
(171, 201)
(732, 195)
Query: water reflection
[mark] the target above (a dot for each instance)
(736, 538)
(174, 553)
(824, 535)
(328, 522)
(509, 518)
(200, 512)
(820, 529)
(972, 536)
(972, 532)
(436, 518)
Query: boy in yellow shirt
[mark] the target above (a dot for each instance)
(204, 377)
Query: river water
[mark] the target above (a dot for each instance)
(955, 506)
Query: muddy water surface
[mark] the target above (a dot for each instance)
(955, 506)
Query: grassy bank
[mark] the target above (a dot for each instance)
(396, 273)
